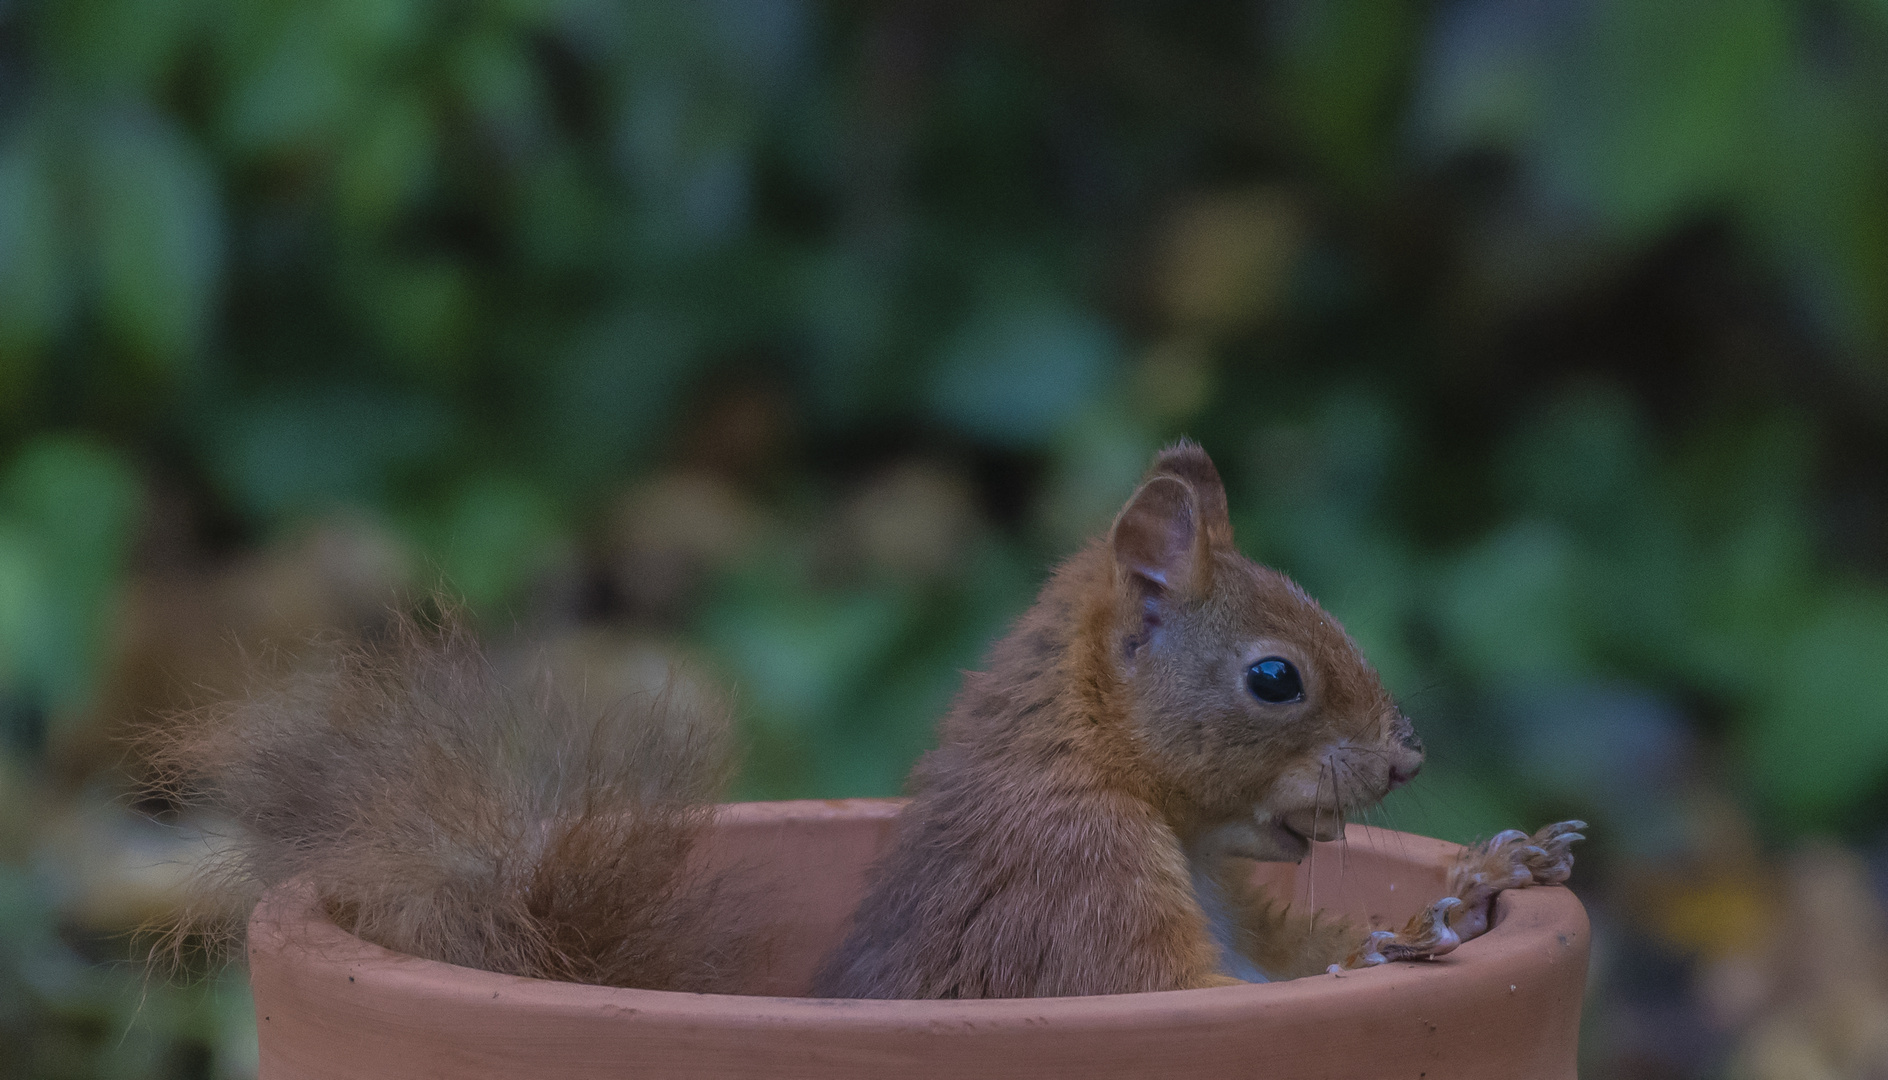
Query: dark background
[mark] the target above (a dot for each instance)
(1546, 341)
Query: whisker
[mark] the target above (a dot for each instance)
(1343, 835)
(1311, 856)
(1399, 838)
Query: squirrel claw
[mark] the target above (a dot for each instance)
(1370, 953)
(1549, 857)
(1427, 934)
(1509, 860)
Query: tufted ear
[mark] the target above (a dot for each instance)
(1157, 539)
(1186, 461)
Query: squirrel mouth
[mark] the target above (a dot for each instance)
(1284, 837)
(1280, 843)
(1312, 823)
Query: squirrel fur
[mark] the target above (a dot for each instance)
(440, 811)
(1078, 830)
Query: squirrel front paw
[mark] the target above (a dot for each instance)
(1427, 934)
(1548, 854)
(1508, 860)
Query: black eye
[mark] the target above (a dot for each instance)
(1274, 680)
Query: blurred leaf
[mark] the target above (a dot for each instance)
(157, 233)
(420, 310)
(848, 306)
(1666, 100)
(1487, 71)
(289, 90)
(1373, 600)
(302, 451)
(385, 164)
(1314, 505)
(67, 509)
(494, 536)
(1017, 376)
(761, 41)
(897, 715)
(798, 655)
(118, 45)
(1099, 458)
(1816, 739)
(372, 28)
(34, 268)
(1587, 464)
(1509, 606)
(896, 722)
(22, 602)
(612, 394)
(561, 214)
(303, 70)
(1754, 576)
(1585, 461)
(499, 84)
(1342, 65)
(686, 124)
(1870, 8)
(1815, 199)
(80, 500)
(62, 1016)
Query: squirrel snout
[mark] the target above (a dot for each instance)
(1405, 766)
(1403, 772)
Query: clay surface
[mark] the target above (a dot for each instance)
(1503, 1006)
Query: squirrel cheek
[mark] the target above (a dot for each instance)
(1298, 787)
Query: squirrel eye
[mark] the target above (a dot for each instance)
(1273, 680)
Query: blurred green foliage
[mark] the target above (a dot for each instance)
(66, 513)
(65, 1017)
(1543, 339)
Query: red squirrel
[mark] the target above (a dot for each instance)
(1165, 708)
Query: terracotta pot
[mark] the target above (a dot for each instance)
(1506, 1005)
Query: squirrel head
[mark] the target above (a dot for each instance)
(1247, 700)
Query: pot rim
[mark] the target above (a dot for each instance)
(1530, 926)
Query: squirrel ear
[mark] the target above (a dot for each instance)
(1155, 540)
(1187, 461)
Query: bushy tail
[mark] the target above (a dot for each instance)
(440, 811)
